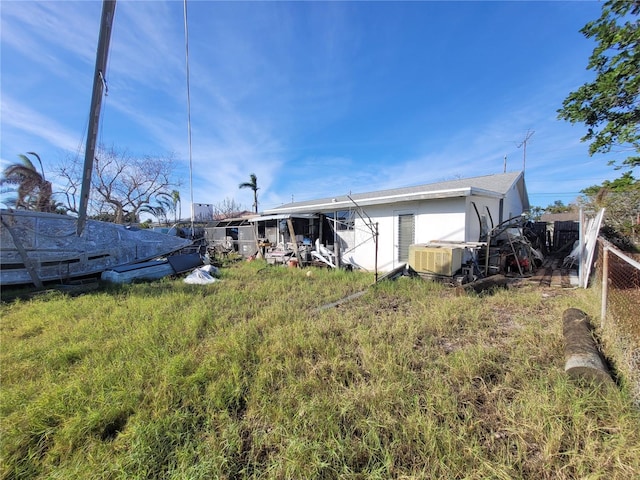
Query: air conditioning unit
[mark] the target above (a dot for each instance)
(435, 260)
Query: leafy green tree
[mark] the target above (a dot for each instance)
(57, 207)
(621, 199)
(253, 185)
(34, 191)
(106, 216)
(610, 105)
(535, 213)
(558, 207)
(625, 183)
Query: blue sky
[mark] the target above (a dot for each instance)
(316, 98)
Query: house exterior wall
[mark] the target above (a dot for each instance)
(449, 219)
(513, 202)
(492, 211)
(488, 211)
(442, 219)
(461, 213)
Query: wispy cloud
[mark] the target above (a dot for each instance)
(48, 33)
(316, 99)
(24, 119)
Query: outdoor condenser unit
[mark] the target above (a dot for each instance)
(445, 261)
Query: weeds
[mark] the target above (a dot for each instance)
(246, 378)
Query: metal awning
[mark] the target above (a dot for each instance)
(232, 222)
(283, 216)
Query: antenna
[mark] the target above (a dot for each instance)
(524, 144)
(504, 168)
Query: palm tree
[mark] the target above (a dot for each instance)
(253, 185)
(168, 203)
(157, 211)
(34, 191)
(173, 204)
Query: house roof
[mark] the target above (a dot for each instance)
(560, 217)
(497, 186)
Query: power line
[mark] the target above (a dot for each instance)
(557, 193)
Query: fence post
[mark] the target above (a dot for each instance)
(581, 247)
(605, 284)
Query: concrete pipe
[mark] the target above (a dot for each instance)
(582, 359)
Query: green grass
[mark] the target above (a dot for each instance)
(247, 378)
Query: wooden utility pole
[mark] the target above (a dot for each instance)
(99, 84)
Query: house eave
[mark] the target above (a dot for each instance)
(343, 203)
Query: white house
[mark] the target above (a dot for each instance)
(453, 211)
(202, 212)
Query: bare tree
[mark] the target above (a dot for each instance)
(121, 183)
(227, 208)
(70, 171)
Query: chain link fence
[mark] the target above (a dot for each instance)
(617, 278)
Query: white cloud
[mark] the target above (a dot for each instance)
(26, 120)
(46, 32)
(268, 101)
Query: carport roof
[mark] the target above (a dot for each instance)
(281, 216)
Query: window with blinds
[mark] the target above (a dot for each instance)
(406, 235)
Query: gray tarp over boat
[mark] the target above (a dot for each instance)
(48, 244)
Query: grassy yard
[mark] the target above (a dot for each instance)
(247, 378)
